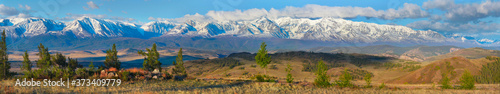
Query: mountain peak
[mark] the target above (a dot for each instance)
(324, 29)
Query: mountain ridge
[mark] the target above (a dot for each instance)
(322, 29)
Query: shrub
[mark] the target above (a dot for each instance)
(411, 67)
(67, 73)
(345, 79)
(245, 73)
(368, 80)
(242, 68)
(445, 82)
(125, 76)
(322, 80)
(289, 78)
(82, 73)
(264, 78)
(489, 73)
(389, 65)
(29, 74)
(227, 75)
(253, 66)
(167, 75)
(312, 67)
(220, 62)
(491, 57)
(382, 86)
(358, 74)
(273, 67)
(467, 80)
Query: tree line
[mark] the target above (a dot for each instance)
(56, 65)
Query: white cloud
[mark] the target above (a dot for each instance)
(91, 5)
(20, 15)
(70, 16)
(8, 11)
(122, 18)
(25, 7)
(465, 12)
(455, 27)
(435, 18)
(235, 15)
(439, 4)
(187, 17)
(85, 8)
(23, 15)
(313, 11)
(407, 11)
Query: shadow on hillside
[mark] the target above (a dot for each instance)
(353, 58)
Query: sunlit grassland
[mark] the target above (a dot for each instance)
(235, 87)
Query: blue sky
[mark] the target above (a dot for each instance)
(478, 18)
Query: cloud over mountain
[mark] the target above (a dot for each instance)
(455, 28)
(91, 5)
(465, 12)
(8, 11)
(311, 11)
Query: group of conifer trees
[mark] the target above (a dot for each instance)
(48, 63)
(58, 66)
(490, 73)
(49, 66)
(151, 61)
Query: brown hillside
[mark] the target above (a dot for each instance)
(470, 53)
(453, 66)
(243, 66)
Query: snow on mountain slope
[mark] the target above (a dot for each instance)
(158, 27)
(89, 27)
(28, 27)
(325, 29)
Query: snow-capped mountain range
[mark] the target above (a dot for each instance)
(324, 29)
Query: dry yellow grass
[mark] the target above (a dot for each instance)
(225, 87)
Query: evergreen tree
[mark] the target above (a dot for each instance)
(179, 69)
(4, 59)
(44, 57)
(26, 62)
(289, 78)
(73, 64)
(91, 66)
(467, 80)
(345, 79)
(60, 60)
(112, 58)
(322, 80)
(368, 79)
(445, 82)
(490, 73)
(151, 61)
(262, 58)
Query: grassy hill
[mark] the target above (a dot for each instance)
(415, 53)
(243, 66)
(470, 53)
(423, 53)
(453, 66)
